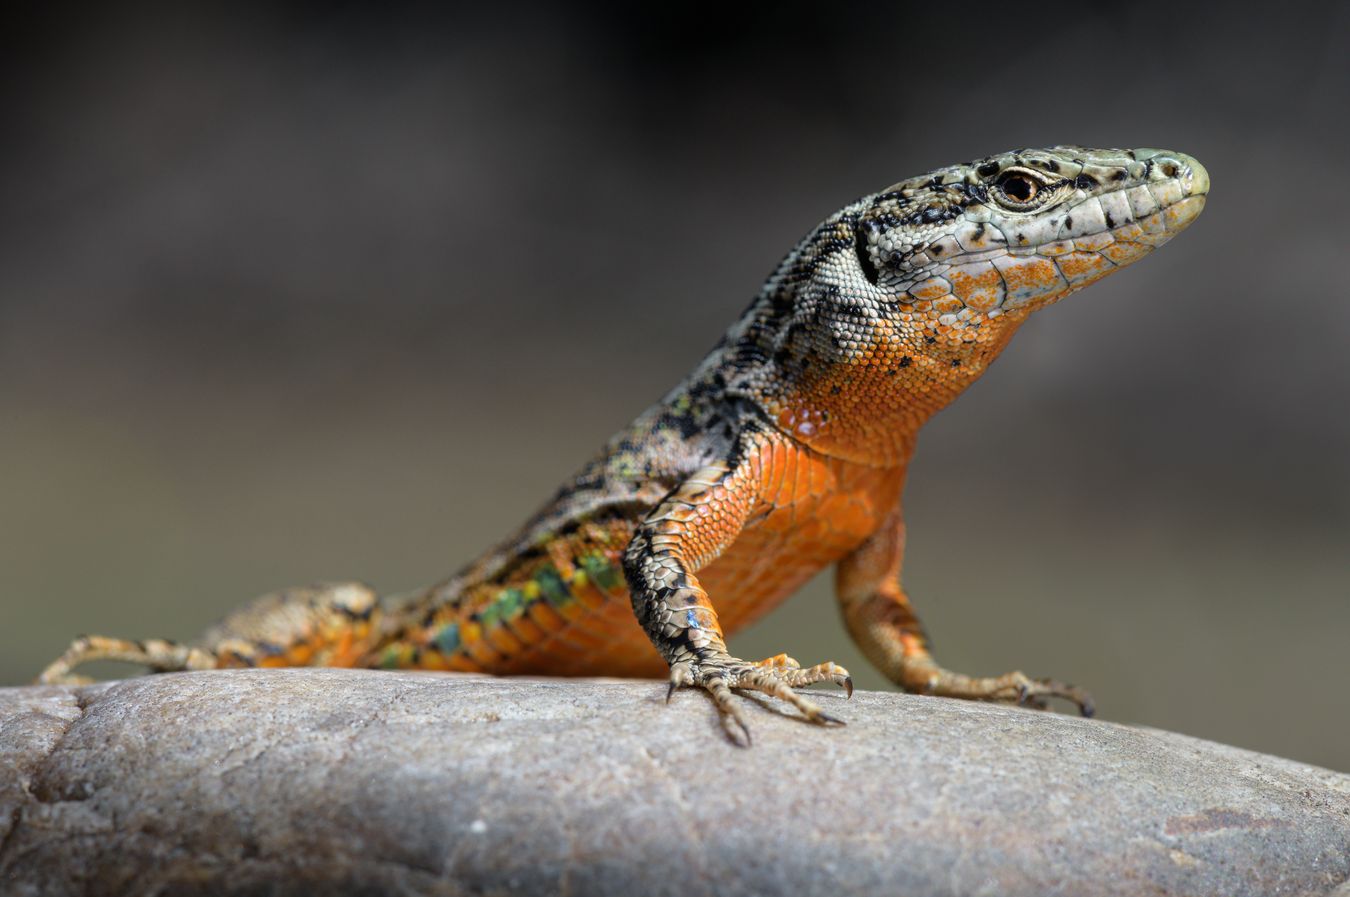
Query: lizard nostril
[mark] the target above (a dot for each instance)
(1168, 164)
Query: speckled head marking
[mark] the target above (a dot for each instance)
(894, 305)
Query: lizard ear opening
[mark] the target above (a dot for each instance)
(863, 247)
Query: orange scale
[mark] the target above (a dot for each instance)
(590, 596)
(433, 660)
(1077, 266)
(1030, 274)
(473, 644)
(462, 663)
(1123, 253)
(933, 288)
(502, 640)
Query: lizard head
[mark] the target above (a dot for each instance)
(1023, 229)
(898, 302)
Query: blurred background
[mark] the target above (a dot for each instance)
(318, 292)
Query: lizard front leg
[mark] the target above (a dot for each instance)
(878, 615)
(690, 528)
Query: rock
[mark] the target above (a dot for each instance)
(316, 781)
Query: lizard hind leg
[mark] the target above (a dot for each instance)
(323, 625)
(157, 654)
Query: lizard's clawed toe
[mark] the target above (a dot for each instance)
(776, 676)
(1034, 692)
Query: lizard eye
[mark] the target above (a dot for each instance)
(1016, 189)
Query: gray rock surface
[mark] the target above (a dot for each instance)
(315, 781)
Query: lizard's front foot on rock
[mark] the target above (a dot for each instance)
(776, 676)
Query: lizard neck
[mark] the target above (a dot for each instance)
(870, 409)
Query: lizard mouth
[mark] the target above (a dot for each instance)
(1173, 185)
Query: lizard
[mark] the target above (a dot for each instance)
(784, 451)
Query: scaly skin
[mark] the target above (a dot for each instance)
(784, 451)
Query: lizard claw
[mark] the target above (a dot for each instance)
(680, 675)
(736, 729)
(1033, 692)
(829, 719)
(1026, 699)
(776, 676)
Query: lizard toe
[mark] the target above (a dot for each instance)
(777, 677)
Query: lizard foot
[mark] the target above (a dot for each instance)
(157, 654)
(775, 676)
(1010, 688)
(1033, 692)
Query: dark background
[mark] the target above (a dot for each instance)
(320, 293)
